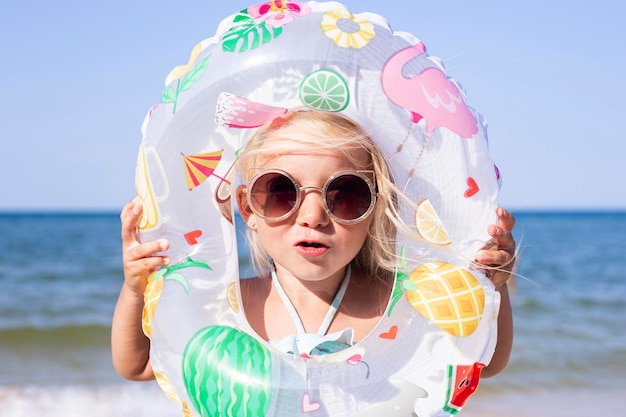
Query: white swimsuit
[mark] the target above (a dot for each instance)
(319, 343)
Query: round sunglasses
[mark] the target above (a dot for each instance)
(348, 196)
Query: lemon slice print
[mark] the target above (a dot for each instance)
(231, 296)
(325, 90)
(429, 225)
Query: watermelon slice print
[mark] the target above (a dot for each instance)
(462, 383)
(227, 373)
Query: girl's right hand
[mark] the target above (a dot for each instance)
(138, 258)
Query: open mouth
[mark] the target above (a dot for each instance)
(311, 245)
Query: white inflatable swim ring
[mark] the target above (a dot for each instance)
(425, 355)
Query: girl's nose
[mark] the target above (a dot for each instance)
(311, 212)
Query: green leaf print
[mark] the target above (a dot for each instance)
(170, 94)
(170, 273)
(194, 75)
(401, 277)
(245, 35)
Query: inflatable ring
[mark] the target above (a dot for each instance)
(439, 330)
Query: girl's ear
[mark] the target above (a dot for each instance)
(244, 210)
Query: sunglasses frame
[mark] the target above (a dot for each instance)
(323, 190)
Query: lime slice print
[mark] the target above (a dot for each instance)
(325, 90)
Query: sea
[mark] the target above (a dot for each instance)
(60, 274)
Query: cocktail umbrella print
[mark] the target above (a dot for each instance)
(199, 167)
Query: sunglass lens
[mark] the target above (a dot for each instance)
(348, 197)
(273, 195)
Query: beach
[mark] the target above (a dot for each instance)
(61, 273)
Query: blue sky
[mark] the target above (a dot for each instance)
(78, 78)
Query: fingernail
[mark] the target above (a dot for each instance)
(163, 244)
(166, 260)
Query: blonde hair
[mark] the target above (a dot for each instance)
(324, 130)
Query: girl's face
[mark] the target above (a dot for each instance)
(309, 244)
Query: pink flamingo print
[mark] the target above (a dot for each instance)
(429, 95)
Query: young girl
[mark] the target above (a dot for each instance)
(320, 207)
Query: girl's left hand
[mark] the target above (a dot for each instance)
(498, 255)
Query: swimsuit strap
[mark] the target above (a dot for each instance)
(331, 311)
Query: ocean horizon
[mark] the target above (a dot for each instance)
(61, 272)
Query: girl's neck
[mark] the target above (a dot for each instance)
(300, 290)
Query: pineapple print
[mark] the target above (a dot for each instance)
(171, 394)
(448, 295)
(151, 296)
(154, 288)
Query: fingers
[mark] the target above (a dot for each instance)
(499, 252)
(493, 257)
(129, 218)
(139, 258)
(146, 250)
(506, 220)
(502, 231)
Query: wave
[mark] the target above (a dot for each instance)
(125, 399)
(120, 399)
(64, 336)
(53, 356)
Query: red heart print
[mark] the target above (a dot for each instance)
(473, 187)
(391, 334)
(192, 237)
